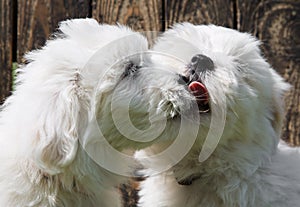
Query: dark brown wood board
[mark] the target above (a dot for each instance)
(142, 16)
(277, 25)
(37, 19)
(6, 21)
(200, 12)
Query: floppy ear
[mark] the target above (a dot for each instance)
(55, 100)
(57, 132)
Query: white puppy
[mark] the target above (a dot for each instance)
(240, 98)
(41, 160)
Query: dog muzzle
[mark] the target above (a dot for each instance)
(196, 70)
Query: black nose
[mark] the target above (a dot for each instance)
(200, 63)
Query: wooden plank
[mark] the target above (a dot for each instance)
(6, 21)
(277, 24)
(220, 12)
(37, 19)
(143, 16)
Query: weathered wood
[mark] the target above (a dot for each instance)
(277, 24)
(6, 22)
(37, 19)
(220, 12)
(143, 16)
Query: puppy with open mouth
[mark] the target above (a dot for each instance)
(236, 159)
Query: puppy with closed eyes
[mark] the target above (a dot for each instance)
(237, 158)
(42, 162)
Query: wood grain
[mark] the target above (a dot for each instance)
(277, 25)
(199, 12)
(37, 19)
(6, 22)
(143, 16)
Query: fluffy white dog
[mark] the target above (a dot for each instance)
(41, 160)
(240, 97)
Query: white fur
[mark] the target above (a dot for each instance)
(41, 160)
(248, 168)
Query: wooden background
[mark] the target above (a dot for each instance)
(26, 24)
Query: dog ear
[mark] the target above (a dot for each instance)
(57, 131)
(56, 101)
(55, 96)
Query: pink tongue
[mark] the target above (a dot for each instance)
(199, 91)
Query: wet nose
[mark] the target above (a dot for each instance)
(200, 63)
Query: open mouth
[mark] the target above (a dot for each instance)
(199, 65)
(200, 92)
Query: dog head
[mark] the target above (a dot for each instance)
(236, 88)
(53, 97)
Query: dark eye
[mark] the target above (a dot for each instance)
(130, 69)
